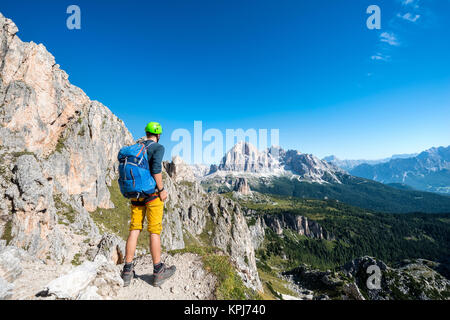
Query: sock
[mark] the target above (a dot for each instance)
(157, 267)
(128, 266)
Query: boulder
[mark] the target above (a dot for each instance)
(90, 293)
(6, 289)
(10, 263)
(112, 247)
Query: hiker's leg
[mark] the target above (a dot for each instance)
(131, 245)
(161, 272)
(137, 220)
(155, 247)
(155, 209)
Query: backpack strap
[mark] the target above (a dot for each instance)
(146, 144)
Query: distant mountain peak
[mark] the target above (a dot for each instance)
(427, 171)
(330, 158)
(246, 158)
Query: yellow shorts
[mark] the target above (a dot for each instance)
(154, 212)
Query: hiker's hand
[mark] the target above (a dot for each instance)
(163, 195)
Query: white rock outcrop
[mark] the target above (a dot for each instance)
(84, 281)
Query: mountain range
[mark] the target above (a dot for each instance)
(64, 222)
(427, 171)
(292, 173)
(348, 165)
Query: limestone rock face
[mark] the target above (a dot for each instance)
(55, 120)
(246, 158)
(112, 247)
(257, 231)
(58, 149)
(10, 270)
(241, 186)
(400, 281)
(10, 265)
(179, 171)
(192, 212)
(411, 279)
(34, 218)
(6, 289)
(11, 259)
(302, 225)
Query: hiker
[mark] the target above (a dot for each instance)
(145, 205)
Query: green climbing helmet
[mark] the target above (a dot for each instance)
(154, 128)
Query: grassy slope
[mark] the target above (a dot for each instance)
(362, 193)
(230, 285)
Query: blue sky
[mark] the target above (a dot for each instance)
(311, 69)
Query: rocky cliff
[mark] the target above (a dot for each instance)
(209, 218)
(241, 186)
(263, 169)
(246, 158)
(58, 164)
(299, 224)
(58, 149)
(411, 279)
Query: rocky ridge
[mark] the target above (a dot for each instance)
(301, 225)
(191, 211)
(58, 163)
(260, 169)
(244, 159)
(427, 171)
(58, 151)
(412, 279)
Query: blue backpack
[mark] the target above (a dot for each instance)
(135, 179)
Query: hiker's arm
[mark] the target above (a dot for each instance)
(159, 181)
(156, 169)
(160, 186)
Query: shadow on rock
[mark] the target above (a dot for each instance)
(146, 277)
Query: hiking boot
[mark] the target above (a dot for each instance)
(127, 274)
(163, 274)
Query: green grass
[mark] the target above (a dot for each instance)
(23, 153)
(274, 285)
(82, 131)
(76, 259)
(7, 232)
(60, 145)
(187, 183)
(205, 236)
(65, 211)
(190, 240)
(230, 285)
